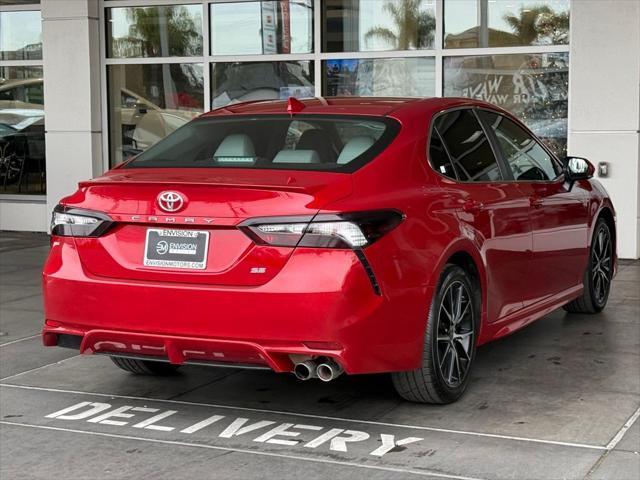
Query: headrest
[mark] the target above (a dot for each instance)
(320, 141)
(297, 156)
(235, 148)
(354, 148)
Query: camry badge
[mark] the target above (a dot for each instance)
(171, 201)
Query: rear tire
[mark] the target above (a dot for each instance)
(597, 277)
(145, 367)
(449, 343)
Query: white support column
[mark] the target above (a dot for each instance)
(71, 54)
(604, 104)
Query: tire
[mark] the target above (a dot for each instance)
(145, 367)
(597, 276)
(440, 379)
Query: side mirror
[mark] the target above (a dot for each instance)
(578, 168)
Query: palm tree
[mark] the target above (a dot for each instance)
(158, 29)
(415, 28)
(536, 22)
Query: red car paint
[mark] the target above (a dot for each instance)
(529, 243)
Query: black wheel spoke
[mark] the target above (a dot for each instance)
(464, 312)
(444, 356)
(464, 340)
(452, 363)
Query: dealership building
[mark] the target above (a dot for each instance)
(85, 84)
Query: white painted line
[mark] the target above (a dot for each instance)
(37, 368)
(19, 340)
(309, 415)
(425, 473)
(628, 424)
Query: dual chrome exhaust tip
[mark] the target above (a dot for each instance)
(326, 370)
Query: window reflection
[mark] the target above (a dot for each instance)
(148, 102)
(20, 35)
(380, 77)
(532, 86)
(22, 153)
(165, 31)
(480, 23)
(364, 25)
(243, 28)
(240, 82)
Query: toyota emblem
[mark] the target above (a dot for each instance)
(171, 201)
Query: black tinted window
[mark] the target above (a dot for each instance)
(526, 158)
(439, 158)
(311, 142)
(468, 146)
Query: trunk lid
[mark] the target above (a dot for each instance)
(215, 201)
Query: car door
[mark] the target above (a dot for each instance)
(492, 212)
(559, 210)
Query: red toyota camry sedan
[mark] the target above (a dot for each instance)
(329, 236)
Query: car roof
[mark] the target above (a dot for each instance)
(377, 106)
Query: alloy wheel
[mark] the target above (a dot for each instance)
(601, 265)
(455, 338)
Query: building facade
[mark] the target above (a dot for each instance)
(85, 84)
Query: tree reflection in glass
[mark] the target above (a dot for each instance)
(165, 31)
(414, 27)
(377, 25)
(539, 25)
(478, 23)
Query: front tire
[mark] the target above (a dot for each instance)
(449, 343)
(145, 367)
(597, 277)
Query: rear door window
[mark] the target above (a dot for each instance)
(311, 142)
(468, 147)
(439, 158)
(527, 159)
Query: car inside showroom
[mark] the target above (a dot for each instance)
(320, 238)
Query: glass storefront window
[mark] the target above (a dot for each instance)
(164, 31)
(22, 153)
(245, 28)
(359, 26)
(414, 77)
(233, 82)
(148, 102)
(20, 35)
(482, 23)
(532, 86)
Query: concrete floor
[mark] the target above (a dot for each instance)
(559, 399)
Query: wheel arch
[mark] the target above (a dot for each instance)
(467, 257)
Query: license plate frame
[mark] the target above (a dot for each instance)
(176, 248)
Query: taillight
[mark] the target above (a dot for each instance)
(75, 222)
(347, 230)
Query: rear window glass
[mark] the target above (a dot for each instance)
(312, 142)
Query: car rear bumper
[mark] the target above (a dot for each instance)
(320, 304)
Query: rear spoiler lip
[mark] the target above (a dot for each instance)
(289, 188)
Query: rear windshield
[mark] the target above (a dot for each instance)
(312, 142)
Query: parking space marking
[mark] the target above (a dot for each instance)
(19, 340)
(321, 417)
(424, 473)
(628, 424)
(36, 369)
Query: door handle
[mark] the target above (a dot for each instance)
(535, 202)
(472, 206)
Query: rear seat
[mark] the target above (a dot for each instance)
(354, 148)
(297, 156)
(235, 148)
